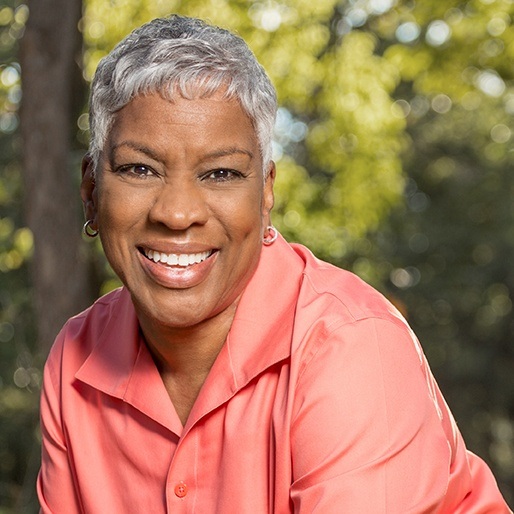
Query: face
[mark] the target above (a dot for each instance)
(181, 204)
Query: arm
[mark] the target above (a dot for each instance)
(55, 484)
(371, 432)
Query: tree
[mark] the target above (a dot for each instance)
(50, 61)
(60, 284)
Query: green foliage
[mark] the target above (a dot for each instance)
(449, 250)
(19, 366)
(445, 255)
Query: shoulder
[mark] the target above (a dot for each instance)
(94, 319)
(337, 293)
(80, 334)
(344, 325)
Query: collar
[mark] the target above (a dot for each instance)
(261, 331)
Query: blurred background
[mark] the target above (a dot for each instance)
(394, 148)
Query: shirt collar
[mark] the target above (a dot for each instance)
(108, 366)
(121, 366)
(261, 331)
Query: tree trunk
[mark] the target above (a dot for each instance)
(49, 57)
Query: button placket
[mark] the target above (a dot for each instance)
(181, 479)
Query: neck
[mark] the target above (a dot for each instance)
(185, 356)
(187, 351)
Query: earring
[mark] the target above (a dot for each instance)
(272, 235)
(88, 231)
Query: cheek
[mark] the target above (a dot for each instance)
(116, 215)
(244, 217)
(118, 210)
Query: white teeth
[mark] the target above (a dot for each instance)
(174, 259)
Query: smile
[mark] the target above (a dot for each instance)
(173, 259)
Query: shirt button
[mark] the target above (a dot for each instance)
(181, 489)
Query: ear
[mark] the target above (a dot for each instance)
(268, 198)
(88, 191)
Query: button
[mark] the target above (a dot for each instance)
(181, 489)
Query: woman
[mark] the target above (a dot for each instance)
(233, 372)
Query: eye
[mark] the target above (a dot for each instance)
(135, 170)
(222, 175)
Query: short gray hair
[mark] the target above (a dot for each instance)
(187, 56)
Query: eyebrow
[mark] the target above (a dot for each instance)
(222, 152)
(137, 147)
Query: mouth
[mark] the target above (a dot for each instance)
(181, 260)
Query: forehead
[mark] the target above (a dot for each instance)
(213, 120)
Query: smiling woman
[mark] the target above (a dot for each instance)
(181, 178)
(232, 372)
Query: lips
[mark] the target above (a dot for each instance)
(177, 270)
(177, 259)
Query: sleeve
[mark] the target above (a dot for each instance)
(371, 432)
(55, 483)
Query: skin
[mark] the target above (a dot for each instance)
(181, 177)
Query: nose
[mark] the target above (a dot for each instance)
(179, 204)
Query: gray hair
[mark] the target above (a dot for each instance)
(185, 56)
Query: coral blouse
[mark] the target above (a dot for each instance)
(320, 401)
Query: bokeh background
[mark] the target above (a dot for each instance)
(394, 148)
